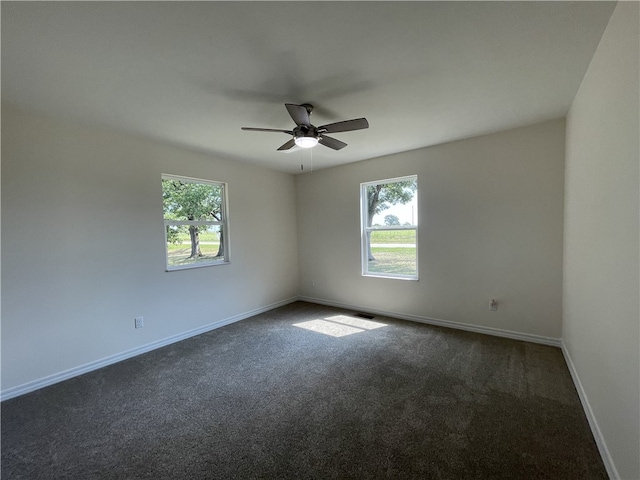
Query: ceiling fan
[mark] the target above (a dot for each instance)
(306, 135)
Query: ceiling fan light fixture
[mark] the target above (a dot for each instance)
(306, 142)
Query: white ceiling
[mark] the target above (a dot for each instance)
(191, 74)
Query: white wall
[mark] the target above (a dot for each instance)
(83, 246)
(490, 226)
(601, 326)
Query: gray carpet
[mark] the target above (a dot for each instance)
(263, 398)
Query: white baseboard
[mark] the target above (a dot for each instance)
(527, 337)
(91, 366)
(593, 423)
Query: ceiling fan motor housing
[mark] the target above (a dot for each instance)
(305, 131)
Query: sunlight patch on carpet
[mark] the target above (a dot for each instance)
(339, 325)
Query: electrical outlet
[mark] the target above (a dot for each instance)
(493, 305)
(139, 322)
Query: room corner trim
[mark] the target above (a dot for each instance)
(593, 423)
(91, 366)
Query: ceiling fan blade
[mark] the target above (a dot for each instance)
(254, 129)
(287, 145)
(298, 113)
(331, 142)
(345, 126)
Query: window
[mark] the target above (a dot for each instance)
(195, 222)
(390, 228)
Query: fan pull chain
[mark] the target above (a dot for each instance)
(310, 160)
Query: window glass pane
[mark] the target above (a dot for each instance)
(189, 245)
(183, 200)
(393, 203)
(393, 252)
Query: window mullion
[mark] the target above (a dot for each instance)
(193, 222)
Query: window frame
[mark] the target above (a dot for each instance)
(224, 224)
(365, 230)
